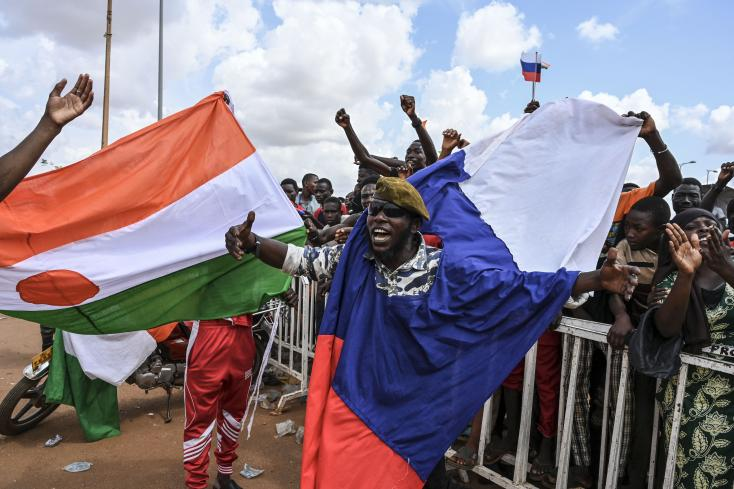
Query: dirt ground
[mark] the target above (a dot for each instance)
(148, 452)
(146, 455)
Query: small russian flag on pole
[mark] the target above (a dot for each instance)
(531, 66)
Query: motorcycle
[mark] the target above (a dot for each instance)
(25, 406)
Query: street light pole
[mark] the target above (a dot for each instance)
(681, 165)
(709, 172)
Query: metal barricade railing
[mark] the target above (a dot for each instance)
(574, 332)
(686, 361)
(295, 344)
(295, 340)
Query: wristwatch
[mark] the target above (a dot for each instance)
(254, 249)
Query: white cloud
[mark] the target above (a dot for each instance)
(637, 101)
(322, 56)
(690, 118)
(450, 99)
(721, 130)
(715, 127)
(493, 37)
(592, 30)
(55, 42)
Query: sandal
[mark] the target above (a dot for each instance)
(543, 473)
(464, 459)
(494, 454)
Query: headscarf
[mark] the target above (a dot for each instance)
(696, 330)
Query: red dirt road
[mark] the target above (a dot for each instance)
(146, 455)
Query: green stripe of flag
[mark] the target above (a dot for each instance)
(221, 287)
(95, 400)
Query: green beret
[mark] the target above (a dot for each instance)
(402, 194)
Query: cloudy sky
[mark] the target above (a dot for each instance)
(291, 64)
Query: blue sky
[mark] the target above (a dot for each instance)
(291, 64)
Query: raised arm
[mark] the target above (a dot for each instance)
(725, 175)
(16, 164)
(669, 176)
(363, 156)
(451, 139)
(407, 103)
(314, 262)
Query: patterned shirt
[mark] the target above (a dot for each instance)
(414, 277)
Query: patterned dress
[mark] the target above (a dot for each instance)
(705, 457)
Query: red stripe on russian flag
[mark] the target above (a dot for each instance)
(339, 450)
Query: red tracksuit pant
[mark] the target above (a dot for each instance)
(218, 374)
(547, 381)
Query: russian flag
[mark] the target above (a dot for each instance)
(396, 379)
(531, 66)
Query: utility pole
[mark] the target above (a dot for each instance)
(106, 102)
(160, 59)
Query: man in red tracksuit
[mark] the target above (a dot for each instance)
(219, 364)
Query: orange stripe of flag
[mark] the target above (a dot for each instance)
(123, 183)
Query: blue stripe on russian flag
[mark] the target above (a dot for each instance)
(530, 67)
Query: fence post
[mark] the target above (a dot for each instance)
(605, 419)
(562, 395)
(523, 437)
(654, 444)
(614, 452)
(675, 428)
(486, 431)
(563, 463)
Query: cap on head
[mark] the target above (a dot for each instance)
(402, 194)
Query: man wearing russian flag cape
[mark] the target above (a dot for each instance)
(403, 322)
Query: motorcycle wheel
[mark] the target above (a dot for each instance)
(24, 406)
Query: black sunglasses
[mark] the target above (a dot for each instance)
(388, 208)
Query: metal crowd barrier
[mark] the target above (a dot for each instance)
(574, 332)
(295, 343)
(295, 340)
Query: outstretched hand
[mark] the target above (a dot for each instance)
(618, 279)
(239, 238)
(342, 234)
(686, 254)
(342, 118)
(407, 103)
(716, 251)
(61, 110)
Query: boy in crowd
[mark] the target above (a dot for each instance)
(644, 227)
(307, 197)
(290, 188)
(324, 190)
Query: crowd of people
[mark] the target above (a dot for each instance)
(682, 270)
(684, 288)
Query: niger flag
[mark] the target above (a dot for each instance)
(133, 236)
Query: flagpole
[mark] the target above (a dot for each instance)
(160, 60)
(536, 63)
(106, 101)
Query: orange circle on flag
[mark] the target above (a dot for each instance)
(57, 288)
